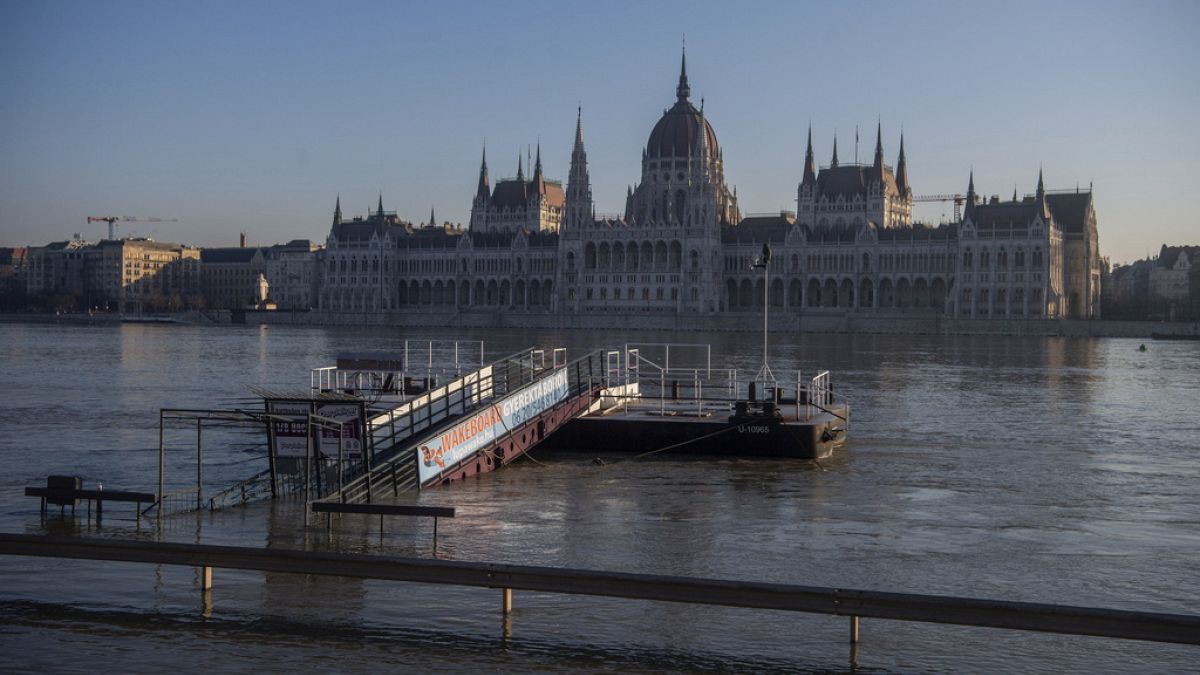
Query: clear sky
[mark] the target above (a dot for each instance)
(254, 116)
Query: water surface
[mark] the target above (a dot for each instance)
(1034, 469)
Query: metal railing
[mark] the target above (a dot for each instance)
(851, 603)
(389, 432)
(427, 360)
(651, 375)
(255, 488)
(392, 448)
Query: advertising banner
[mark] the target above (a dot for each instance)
(350, 415)
(484, 428)
(289, 438)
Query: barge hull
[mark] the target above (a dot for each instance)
(815, 439)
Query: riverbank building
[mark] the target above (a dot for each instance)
(683, 247)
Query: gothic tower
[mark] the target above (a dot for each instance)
(483, 193)
(579, 187)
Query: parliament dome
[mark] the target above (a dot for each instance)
(677, 133)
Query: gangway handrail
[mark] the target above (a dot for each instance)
(515, 357)
(537, 377)
(385, 459)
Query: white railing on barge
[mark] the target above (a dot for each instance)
(441, 359)
(633, 373)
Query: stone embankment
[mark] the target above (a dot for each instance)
(194, 317)
(896, 324)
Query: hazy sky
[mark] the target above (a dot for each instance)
(254, 116)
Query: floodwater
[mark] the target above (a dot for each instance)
(1031, 469)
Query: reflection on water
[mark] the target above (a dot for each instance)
(1041, 469)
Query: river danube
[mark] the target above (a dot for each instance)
(1032, 469)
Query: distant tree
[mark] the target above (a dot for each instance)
(154, 301)
(1194, 290)
(196, 301)
(12, 295)
(63, 302)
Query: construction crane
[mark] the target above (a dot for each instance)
(958, 200)
(113, 220)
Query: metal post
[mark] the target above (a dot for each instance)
(206, 578)
(854, 629)
(317, 456)
(308, 447)
(662, 392)
(766, 305)
(199, 469)
(506, 605)
(341, 431)
(162, 461)
(798, 395)
(271, 459)
(368, 441)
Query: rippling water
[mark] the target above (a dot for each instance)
(1038, 469)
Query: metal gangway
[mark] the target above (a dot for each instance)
(491, 415)
(493, 412)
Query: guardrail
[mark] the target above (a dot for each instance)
(1039, 617)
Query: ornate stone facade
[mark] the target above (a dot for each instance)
(682, 247)
(535, 205)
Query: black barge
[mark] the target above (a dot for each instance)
(662, 407)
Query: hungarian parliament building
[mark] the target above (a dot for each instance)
(683, 248)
